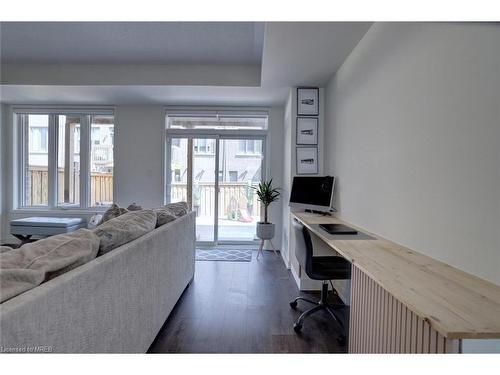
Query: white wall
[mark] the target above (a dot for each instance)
(139, 155)
(288, 117)
(290, 171)
(413, 134)
(6, 172)
(275, 157)
(2, 171)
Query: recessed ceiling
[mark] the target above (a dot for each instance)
(285, 55)
(307, 53)
(132, 42)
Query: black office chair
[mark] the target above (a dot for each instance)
(325, 268)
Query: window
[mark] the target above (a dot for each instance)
(250, 147)
(39, 135)
(233, 176)
(65, 159)
(177, 175)
(204, 146)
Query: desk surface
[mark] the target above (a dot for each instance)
(456, 304)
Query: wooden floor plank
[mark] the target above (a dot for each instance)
(243, 307)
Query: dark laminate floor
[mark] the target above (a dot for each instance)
(242, 307)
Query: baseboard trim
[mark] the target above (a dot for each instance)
(285, 259)
(310, 285)
(296, 277)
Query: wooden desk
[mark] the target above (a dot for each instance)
(403, 301)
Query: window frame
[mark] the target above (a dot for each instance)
(85, 113)
(264, 170)
(218, 113)
(56, 165)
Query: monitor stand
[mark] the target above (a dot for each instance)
(323, 213)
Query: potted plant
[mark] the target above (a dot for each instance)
(266, 195)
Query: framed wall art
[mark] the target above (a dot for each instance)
(307, 101)
(307, 160)
(307, 131)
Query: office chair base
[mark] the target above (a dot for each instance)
(321, 305)
(297, 328)
(294, 303)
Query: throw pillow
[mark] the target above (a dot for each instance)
(94, 221)
(112, 212)
(26, 267)
(179, 208)
(134, 207)
(124, 228)
(3, 249)
(163, 216)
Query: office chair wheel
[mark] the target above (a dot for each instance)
(341, 340)
(297, 327)
(293, 304)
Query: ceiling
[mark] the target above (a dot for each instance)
(161, 62)
(132, 42)
(307, 53)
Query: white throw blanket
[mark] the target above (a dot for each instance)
(28, 266)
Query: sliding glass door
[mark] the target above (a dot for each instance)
(217, 175)
(214, 160)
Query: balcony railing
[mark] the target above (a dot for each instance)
(237, 200)
(102, 154)
(101, 186)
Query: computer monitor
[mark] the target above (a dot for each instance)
(312, 193)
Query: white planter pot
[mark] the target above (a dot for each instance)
(265, 231)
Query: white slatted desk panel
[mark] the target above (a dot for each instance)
(379, 323)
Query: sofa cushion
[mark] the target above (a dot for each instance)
(124, 228)
(28, 266)
(112, 212)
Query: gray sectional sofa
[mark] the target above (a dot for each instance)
(115, 303)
